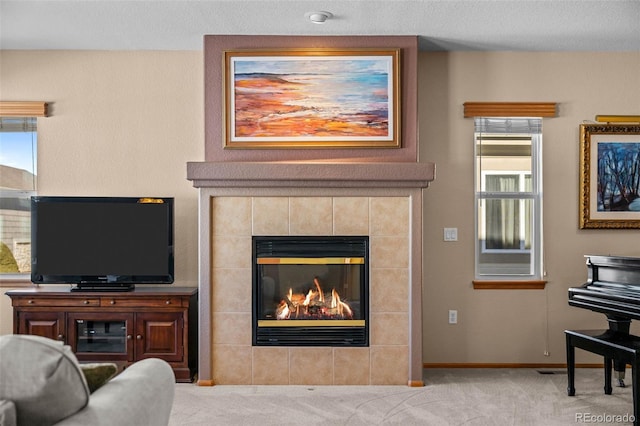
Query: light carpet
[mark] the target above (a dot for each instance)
(450, 397)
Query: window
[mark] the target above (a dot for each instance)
(505, 223)
(508, 193)
(18, 177)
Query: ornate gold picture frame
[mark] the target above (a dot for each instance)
(312, 98)
(610, 176)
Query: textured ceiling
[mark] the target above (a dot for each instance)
(540, 25)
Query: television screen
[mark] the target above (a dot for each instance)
(102, 243)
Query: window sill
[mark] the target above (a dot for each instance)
(15, 281)
(509, 285)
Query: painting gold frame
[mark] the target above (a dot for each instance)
(609, 176)
(312, 98)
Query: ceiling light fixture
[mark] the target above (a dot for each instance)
(318, 17)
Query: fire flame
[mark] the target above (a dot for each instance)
(343, 308)
(283, 311)
(317, 283)
(313, 305)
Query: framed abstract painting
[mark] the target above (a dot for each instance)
(312, 98)
(610, 176)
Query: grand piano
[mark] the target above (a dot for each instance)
(613, 289)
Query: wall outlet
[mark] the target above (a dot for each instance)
(453, 317)
(451, 234)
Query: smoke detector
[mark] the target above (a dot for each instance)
(318, 17)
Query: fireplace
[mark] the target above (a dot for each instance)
(310, 291)
(246, 193)
(240, 201)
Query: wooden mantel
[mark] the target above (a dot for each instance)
(310, 174)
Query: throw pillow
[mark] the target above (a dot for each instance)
(97, 374)
(42, 377)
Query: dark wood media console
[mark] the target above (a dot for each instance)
(120, 327)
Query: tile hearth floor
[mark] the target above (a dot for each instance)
(450, 397)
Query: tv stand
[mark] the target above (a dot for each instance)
(120, 326)
(103, 287)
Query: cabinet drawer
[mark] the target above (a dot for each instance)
(166, 302)
(54, 301)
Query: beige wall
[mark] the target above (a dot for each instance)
(509, 326)
(122, 123)
(125, 123)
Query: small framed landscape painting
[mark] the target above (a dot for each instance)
(312, 98)
(610, 176)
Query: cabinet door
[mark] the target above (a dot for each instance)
(101, 336)
(160, 335)
(45, 324)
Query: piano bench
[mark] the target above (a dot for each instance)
(611, 345)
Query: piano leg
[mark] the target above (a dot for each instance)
(620, 374)
(608, 362)
(636, 392)
(619, 325)
(571, 367)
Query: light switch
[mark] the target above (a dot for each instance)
(451, 234)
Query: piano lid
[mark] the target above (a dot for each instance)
(613, 261)
(612, 288)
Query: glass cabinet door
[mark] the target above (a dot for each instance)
(101, 336)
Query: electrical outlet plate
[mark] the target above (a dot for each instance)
(453, 317)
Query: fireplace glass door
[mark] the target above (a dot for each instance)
(310, 291)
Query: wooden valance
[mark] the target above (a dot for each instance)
(23, 109)
(509, 109)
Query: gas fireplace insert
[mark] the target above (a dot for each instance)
(310, 291)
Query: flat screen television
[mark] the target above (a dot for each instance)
(102, 243)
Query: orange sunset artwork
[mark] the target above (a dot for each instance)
(297, 98)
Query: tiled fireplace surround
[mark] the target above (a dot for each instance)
(241, 199)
